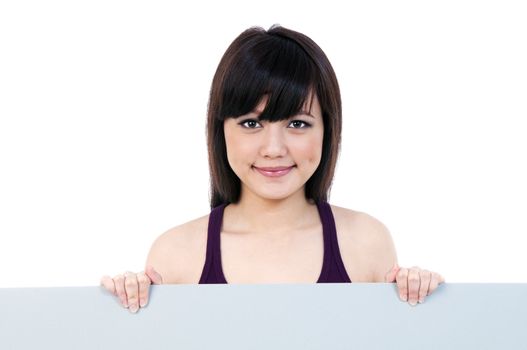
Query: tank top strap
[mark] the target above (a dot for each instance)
(333, 270)
(212, 271)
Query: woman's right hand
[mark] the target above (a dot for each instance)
(132, 288)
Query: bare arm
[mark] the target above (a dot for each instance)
(379, 248)
(387, 255)
(162, 256)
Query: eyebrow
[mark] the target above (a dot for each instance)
(306, 113)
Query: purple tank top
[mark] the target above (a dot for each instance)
(333, 270)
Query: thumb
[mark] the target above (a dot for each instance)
(390, 275)
(154, 276)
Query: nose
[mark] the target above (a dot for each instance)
(273, 141)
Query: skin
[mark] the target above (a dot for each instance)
(294, 142)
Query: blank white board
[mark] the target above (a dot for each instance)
(279, 316)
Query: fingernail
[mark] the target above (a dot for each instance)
(134, 309)
(413, 303)
(142, 302)
(403, 297)
(421, 300)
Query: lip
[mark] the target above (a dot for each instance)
(274, 171)
(276, 168)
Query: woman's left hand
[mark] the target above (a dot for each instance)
(414, 284)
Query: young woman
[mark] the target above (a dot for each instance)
(273, 132)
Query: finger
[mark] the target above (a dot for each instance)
(402, 283)
(119, 289)
(414, 281)
(434, 282)
(389, 277)
(108, 284)
(132, 291)
(154, 276)
(144, 286)
(426, 277)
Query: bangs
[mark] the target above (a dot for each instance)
(275, 67)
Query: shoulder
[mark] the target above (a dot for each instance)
(179, 253)
(364, 224)
(367, 240)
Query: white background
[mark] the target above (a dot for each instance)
(102, 128)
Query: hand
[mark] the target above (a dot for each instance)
(132, 289)
(414, 284)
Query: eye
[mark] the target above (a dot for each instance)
(298, 124)
(249, 122)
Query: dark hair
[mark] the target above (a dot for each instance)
(288, 66)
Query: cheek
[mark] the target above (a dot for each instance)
(230, 145)
(311, 149)
(238, 150)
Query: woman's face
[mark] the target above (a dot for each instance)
(293, 146)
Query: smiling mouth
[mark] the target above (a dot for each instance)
(274, 171)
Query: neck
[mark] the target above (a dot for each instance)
(259, 215)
